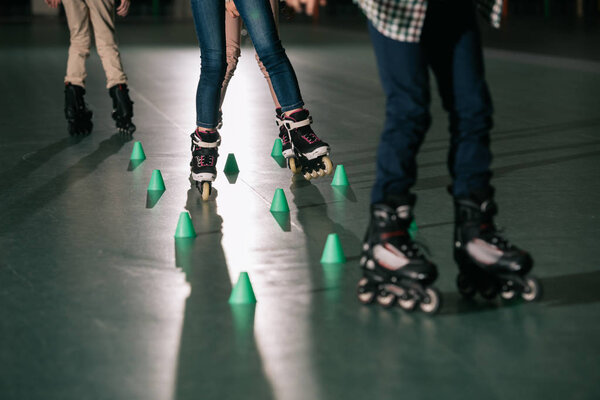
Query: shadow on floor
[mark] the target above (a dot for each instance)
(217, 342)
(14, 214)
(559, 291)
(34, 160)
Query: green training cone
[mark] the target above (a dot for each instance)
(137, 154)
(333, 252)
(277, 148)
(156, 181)
(242, 292)
(231, 166)
(413, 229)
(185, 228)
(279, 203)
(340, 178)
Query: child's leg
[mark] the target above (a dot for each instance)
(102, 15)
(78, 19)
(453, 44)
(260, 23)
(275, 9)
(233, 27)
(210, 29)
(404, 76)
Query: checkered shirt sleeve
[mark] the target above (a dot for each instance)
(400, 20)
(403, 20)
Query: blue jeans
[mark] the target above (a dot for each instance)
(209, 19)
(451, 46)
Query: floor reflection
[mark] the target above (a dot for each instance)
(218, 356)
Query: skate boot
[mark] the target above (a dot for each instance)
(204, 160)
(79, 117)
(488, 263)
(395, 272)
(122, 108)
(306, 153)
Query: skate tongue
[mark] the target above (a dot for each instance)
(299, 115)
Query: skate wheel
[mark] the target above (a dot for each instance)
(321, 173)
(533, 290)
(307, 176)
(465, 286)
(314, 174)
(432, 302)
(366, 294)
(386, 299)
(292, 165)
(508, 294)
(408, 304)
(205, 190)
(328, 165)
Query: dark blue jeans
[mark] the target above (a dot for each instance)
(209, 19)
(450, 45)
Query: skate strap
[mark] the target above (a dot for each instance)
(293, 124)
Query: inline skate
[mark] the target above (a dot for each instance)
(395, 272)
(122, 108)
(79, 117)
(304, 151)
(488, 263)
(204, 160)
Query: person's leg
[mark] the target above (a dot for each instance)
(233, 28)
(260, 23)
(102, 15)
(210, 29)
(395, 270)
(79, 28)
(488, 262)
(453, 44)
(275, 9)
(405, 80)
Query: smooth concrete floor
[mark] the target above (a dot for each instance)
(97, 301)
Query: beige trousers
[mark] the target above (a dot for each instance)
(233, 28)
(82, 16)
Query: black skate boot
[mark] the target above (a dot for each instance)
(79, 117)
(286, 144)
(306, 148)
(122, 108)
(204, 160)
(394, 269)
(489, 263)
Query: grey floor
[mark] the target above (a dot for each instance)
(98, 302)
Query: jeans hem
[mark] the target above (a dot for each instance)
(292, 107)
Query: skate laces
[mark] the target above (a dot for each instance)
(205, 160)
(310, 136)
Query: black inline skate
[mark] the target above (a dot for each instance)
(394, 269)
(204, 160)
(488, 263)
(122, 108)
(79, 117)
(303, 150)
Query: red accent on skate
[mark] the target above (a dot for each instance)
(388, 235)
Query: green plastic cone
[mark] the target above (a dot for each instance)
(185, 228)
(340, 178)
(231, 166)
(279, 203)
(137, 154)
(333, 252)
(242, 292)
(277, 148)
(413, 229)
(156, 181)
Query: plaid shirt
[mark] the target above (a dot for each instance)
(403, 20)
